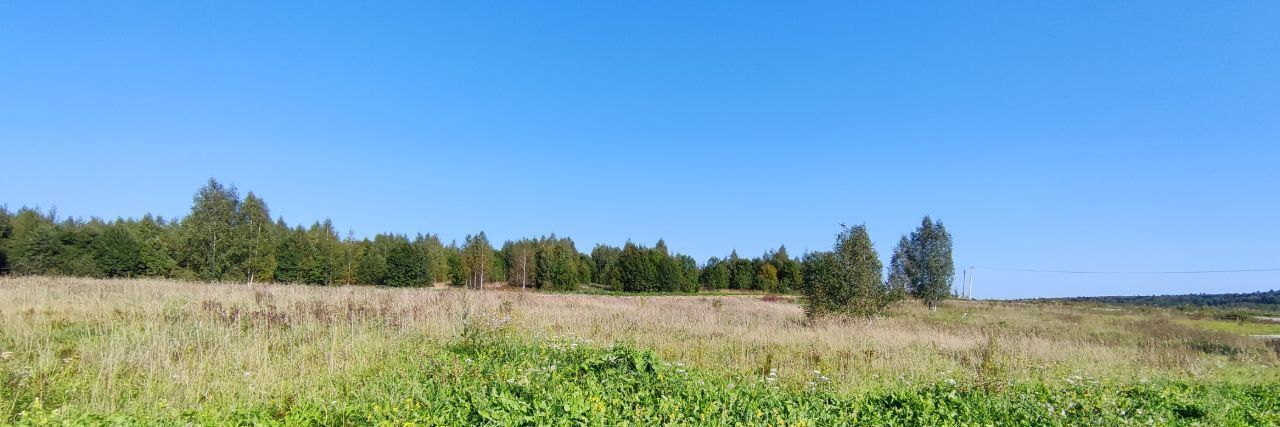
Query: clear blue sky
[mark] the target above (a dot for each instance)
(1063, 135)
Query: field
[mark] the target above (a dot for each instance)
(76, 351)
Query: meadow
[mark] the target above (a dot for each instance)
(88, 351)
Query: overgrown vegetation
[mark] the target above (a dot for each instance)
(79, 351)
(847, 279)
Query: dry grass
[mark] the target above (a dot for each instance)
(188, 343)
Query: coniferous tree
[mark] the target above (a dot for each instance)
(293, 249)
(635, 271)
(372, 267)
(320, 264)
(557, 267)
(604, 260)
(435, 255)
(117, 253)
(457, 271)
(742, 273)
(405, 265)
(667, 276)
(351, 253)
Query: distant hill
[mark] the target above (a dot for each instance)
(1268, 301)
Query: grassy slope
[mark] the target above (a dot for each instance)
(173, 352)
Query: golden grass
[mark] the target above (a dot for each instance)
(182, 344)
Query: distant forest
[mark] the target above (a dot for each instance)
(1268, 301)
(227, 238)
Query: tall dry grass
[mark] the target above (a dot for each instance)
(179, 344)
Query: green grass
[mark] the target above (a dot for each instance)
(496, 380)
(1246, 327)
(86, 352)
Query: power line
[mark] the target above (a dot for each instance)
(1032, 270)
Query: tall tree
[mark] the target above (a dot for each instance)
(294, 249)
(742, 272)
(689, 273)
(210, 242)
(6, 241)
(788, 270)
(929, 266)
(433, 252)
(372, 267)
(457, 271)
(257, 234)
(635, 271)
(320, 265)
(668, 278)
(604, 259)
(477, 257)
(521, 261)
(899, 279)
(557, 267)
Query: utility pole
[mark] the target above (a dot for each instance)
(969, 275)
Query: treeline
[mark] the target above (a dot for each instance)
(228, 238)
(1268, 301)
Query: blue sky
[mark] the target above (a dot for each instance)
(1067, 135)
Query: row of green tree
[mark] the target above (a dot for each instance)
(229, 238)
